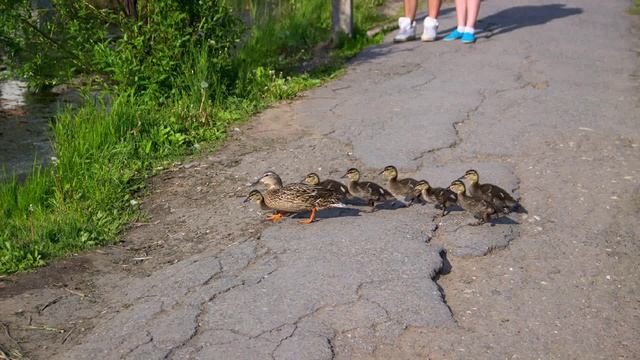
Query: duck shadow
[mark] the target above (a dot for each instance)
(503, 220)
(520, 209)
(387, 205)
(330, 213)
(446, 264)
(453, 208)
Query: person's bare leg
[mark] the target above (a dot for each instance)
(434, 8)
(473, 7)
(461, 13)
(410, 8)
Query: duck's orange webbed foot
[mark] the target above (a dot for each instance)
(310, 219)
(275, 217)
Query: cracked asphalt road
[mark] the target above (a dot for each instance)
(545, 105)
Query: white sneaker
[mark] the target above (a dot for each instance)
(430, 29)
(407, 30)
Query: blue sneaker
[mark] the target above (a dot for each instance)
(468, 38)
(454, 35)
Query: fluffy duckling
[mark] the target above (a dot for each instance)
(295, 197)
(366, 190)
(481, 209)
(400, 188)
(489, 192)
(440, 196)
(335, 186)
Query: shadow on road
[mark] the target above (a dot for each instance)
(519, 17)
(499, 23)
(446, 265)
(504, 220)
(330, 213)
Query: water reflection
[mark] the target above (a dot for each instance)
(12, 94)
(24, 126)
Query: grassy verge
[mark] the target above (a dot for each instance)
(106, 150)
(635, 8)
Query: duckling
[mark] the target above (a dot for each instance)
(481, 209)
(442, 197)
(402, 188)
(335, 186)
(492, 193)
(295, 197)
(366, 190)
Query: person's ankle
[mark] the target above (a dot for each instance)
(430, 20)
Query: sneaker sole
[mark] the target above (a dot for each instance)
(427, 39)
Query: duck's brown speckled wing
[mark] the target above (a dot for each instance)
(409, 182)
(497, 195)
(335, 186)
(444, 197)
(403, 188)
(300, 197)
(375, 191)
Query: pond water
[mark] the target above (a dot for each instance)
(24, 127)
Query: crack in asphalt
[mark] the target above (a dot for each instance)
(331, 348)
(455, 125)
(335, 106)
(149, 340)
(424, 83)
(281, 341)
(198, 322)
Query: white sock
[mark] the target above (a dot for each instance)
(461, 29)
(469, 30)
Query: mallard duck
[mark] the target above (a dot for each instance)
(481, 209)
(256, 197)
(489, 192)
(366, 190)
(442, 197)
(335, 186)
(402, 188)
(295, 197)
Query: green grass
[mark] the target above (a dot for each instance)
(106, 150)
(635, 8)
